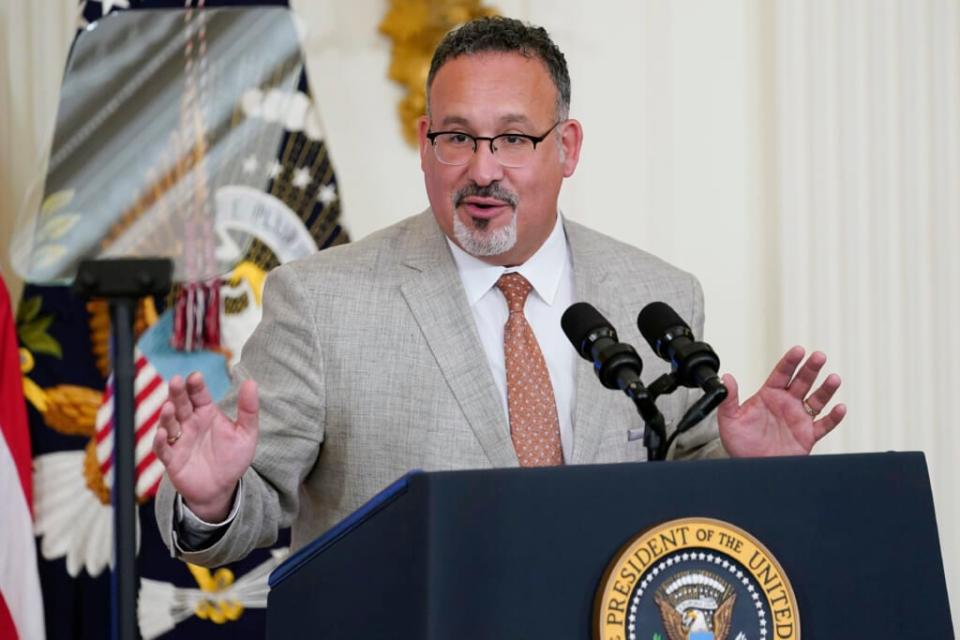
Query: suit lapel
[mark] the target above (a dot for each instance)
(434, 293)
(593, 402)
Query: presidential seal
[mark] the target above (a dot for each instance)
(695, 579)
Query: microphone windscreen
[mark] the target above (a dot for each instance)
(579, 321)
(655, 320)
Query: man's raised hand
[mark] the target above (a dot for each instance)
(783, 417)
(205, 452)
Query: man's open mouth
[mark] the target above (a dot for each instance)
(484, 208)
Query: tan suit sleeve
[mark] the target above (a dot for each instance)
(284, 358)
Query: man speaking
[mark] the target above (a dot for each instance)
(436, 343)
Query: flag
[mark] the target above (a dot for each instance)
(253, 161)
(21, 608)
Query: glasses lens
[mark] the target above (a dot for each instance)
(513, 151)
(453, 148)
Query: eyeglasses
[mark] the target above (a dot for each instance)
(511, 150)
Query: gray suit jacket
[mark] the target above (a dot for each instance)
(369, 364)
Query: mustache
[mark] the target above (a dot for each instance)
(492, 190)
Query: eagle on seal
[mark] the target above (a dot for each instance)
(696, 624)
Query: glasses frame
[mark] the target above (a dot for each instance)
(432, 137)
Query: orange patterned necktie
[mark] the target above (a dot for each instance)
(533, 410)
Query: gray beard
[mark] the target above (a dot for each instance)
(479, 242)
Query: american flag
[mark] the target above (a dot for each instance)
(150, 391)
(21, 607)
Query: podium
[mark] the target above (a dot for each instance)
(521, 553)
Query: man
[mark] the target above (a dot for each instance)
(435, 343)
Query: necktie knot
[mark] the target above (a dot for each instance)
(515, 289)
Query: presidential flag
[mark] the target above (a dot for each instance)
(191, 131)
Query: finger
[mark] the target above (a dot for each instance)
(801, 384)
(248, 406)
(731, 404)
(822, 396)
(783, 372)
(826, 424)
(166, 425)
(182, 406)
(197, 391)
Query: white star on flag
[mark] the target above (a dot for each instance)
(250, 164)
(328, 193)
(274, 169)
(301, 178)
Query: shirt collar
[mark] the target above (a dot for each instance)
(543, 270)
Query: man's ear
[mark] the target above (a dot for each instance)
(423, 127)
(571, 137)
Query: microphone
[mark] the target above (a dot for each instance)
(695, 364)
(617, 364)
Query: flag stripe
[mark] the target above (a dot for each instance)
(104, 432)
(19, 581)
(151, 386)
(147, 481)
(18, 443)
(146, 462)
(106, 464)
(148, 424)
(7, 628)
(13, 408)
(143, 448)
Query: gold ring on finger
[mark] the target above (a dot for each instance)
(173, 439)
(813, 413)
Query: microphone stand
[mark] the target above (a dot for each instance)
(665, 385)
(123, 281)
(655, 428)
(618, 366)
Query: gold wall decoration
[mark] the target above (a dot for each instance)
(416, 27)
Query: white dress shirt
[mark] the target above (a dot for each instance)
(550, 272)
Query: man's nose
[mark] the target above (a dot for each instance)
(484, 168)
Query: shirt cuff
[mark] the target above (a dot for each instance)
(191, 533)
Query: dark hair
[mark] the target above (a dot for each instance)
(506, 35)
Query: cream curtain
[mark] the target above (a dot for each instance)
(867, 96)
(34, 40)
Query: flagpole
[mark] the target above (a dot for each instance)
(123, 282)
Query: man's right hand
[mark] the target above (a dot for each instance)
(205, 452)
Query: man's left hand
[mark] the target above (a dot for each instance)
(781, 419)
